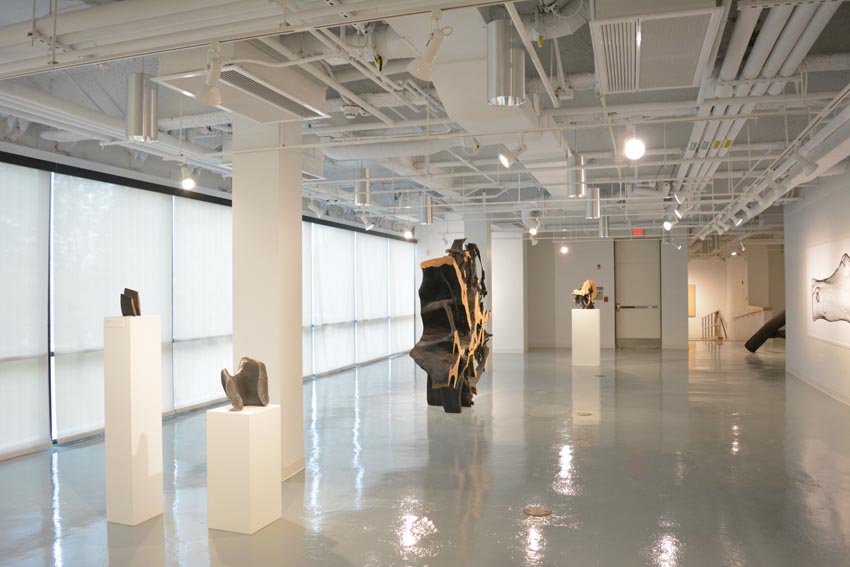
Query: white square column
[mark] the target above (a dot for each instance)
(586, 342)
(267, 269)
(243, 468)
(132, 354)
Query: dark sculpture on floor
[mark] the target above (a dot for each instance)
(585, 296)
(831, 296)
(249, 386)
(453, 350)
(130, 306)
(773, 329)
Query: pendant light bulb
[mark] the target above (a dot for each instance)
(634, 148)
(187, 182)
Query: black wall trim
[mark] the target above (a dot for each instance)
(45, 165)
(360, 229)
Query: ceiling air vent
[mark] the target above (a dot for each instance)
(251, 84)
(240, 79)
(653, 51)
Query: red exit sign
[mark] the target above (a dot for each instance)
(637, 232)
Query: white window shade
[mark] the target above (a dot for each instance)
(106, 238)
(402, 266)
(372, 277)
(306, 298)
(333, 275)
(24, 226)
(203, 270)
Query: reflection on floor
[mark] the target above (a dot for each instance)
(707, 457)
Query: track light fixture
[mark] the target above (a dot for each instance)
(743, 248)
(408, 233)
(667, 225)
(534, 228)
(634, 148)
(734, 252)
(508, 159)
(534, 242)
(210, 94)
(187, 182)
(678, 197)
(564, 249)
(678, 212)
(367, 224)
(422, 67)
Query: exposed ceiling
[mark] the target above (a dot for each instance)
(740, 105)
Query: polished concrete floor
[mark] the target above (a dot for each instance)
(708, 457)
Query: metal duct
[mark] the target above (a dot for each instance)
(505, 65)
(592, 204)
(141, 109)
(582, 177)
(363, 188)
(573, 176)
(392, 149)
(603, 227)
(428, 210)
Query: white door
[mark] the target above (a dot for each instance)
(637, 274)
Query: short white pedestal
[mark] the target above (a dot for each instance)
(586, 342)
(243, 468)
(132, 367)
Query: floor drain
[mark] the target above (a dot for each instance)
(584, 414)
(537, 511)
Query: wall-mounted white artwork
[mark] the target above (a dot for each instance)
(828, 313)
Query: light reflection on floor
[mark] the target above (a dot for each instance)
(706, 457)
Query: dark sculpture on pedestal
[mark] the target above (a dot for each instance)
(249, 386)
(130, 306)
(585, 296)
(453, 350)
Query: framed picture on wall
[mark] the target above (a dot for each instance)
(828, 302)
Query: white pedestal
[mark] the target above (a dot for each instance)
(243, 468)
(132, 354)
(586, 341)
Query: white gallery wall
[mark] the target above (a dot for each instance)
(674, 298)
(507, 289)
(816, 235)
(709, 280)
(736, 286)
(551, 277)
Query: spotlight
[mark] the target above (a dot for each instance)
(677, 197)
(423, 66)
(187, 182)
(634, 148)
(408, 233)
(734, 252)
(534, 242)
(739, 220)
(532, 231)
(564, 248)
(210, 94)
(508, 159)
(667, 225)
(678, 247)
(678, 213)
(743, 248)
(366, 223)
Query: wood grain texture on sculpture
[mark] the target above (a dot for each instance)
(453, 349)
(249, 386)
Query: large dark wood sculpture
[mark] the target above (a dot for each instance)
(454, 348)
(249, 386)
(773, 329)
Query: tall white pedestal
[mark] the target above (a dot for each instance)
(586, 341)
(132, 367)
(243, 468)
